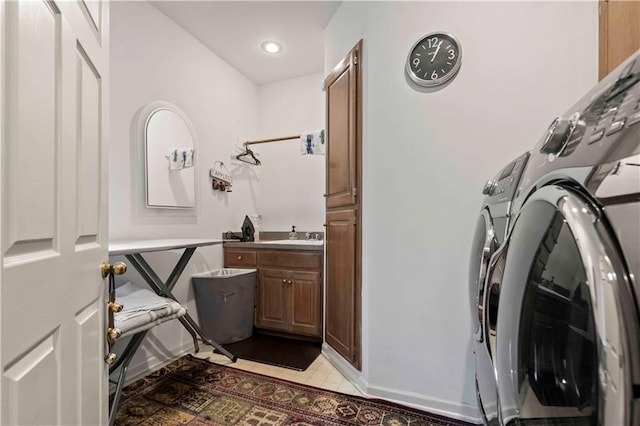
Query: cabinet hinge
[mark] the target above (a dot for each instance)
(600, 6)
(355, 192)
(324, 85)
(355, 59)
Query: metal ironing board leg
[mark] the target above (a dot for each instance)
(123, 362)
(185, 324)
(208, 341)
(164, 289)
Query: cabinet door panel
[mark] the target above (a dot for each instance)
(306, 293)
(341, 297)
(239, 258)
(272, 300)
(619, 33)
(290, 259)
(341, 133)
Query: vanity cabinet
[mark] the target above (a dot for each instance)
(288, 290)
(289, 301)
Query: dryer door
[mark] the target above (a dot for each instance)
(561, 344)
(484, 246)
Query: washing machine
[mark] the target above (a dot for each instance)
(493, 223)
(564, 335)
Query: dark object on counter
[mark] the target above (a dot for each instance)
(278, 351)
(247, 229)
(230, 235)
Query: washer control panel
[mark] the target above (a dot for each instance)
(503, 186)
(619, 108)
(609, 116)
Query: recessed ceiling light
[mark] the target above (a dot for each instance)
(271, 47)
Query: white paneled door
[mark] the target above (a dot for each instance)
(53, 186)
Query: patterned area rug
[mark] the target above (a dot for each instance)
(192, 391)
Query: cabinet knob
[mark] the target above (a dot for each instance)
(239, 257)
(289, 281)
(284, 281)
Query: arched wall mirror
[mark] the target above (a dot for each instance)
(170, 158)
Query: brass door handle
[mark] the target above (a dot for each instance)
(117, 268)
(113, 333)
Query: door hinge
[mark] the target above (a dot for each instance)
(324, 85)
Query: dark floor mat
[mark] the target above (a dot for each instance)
(273, 350)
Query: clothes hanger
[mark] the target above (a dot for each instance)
(248, 157)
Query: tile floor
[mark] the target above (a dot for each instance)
(320, 373)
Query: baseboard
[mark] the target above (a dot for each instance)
(152, 363)
(343, 366)
(468, 413)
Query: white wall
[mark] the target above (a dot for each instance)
(427, 154)
(291, 185)
(153, 59)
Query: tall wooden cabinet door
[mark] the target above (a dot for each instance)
(341, 94)
(272, 299)
(306, 295)
(619, 33)
(342, 295)
(54, 72)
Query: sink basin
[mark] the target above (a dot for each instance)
(295, 242)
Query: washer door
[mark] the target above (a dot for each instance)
(560, 342)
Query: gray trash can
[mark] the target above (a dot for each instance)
(225, 301)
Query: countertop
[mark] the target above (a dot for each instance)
(266, 244)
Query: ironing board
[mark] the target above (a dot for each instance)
(132, 251)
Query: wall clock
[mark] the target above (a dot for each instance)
(434, 59)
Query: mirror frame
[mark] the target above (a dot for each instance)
(146, 113)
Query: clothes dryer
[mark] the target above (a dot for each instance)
(566, 281)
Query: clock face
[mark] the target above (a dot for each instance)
(434, 59)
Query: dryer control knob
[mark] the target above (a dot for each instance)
(558, 134)
(488, 187)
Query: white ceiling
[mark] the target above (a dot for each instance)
(234, 30)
